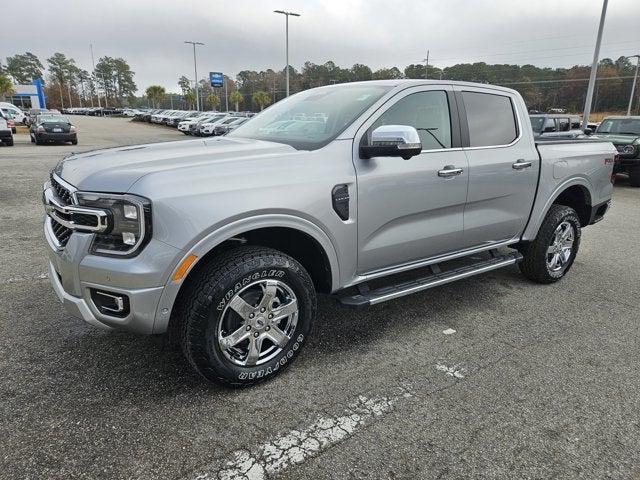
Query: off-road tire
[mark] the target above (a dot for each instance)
(200, 309)
(534, 264)
(634, 176)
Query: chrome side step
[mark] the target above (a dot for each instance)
(367, 297)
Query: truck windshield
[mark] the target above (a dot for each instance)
(309, 120)
(623, 126)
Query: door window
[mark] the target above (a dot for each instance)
(563, 124)
(549, 125)
(491, 119)
(428, 112)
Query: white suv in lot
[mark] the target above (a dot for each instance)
(18, 115)
(6, 136)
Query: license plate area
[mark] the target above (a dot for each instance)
(57, 130)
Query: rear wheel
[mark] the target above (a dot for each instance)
(9, 142)
(550, 256)
(634, 176)
(74, 142)
(246, 315)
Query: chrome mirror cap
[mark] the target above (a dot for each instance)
(392, 141)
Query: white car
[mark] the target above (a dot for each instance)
(6, 136)
(18, 115)
(208, 129)
(185, 126)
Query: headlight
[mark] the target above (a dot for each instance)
(129, 223)
(629, 149)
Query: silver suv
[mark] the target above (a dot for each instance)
(365, 191)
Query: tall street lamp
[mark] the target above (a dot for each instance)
(286, 14)
(594, 68)
(195, 72)
(633, 86)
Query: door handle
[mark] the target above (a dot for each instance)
(449, 171)
(521, 164)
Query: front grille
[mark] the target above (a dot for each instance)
(61, 192)
(61, 232)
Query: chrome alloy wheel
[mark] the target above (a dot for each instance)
(559, 252)
(258, 322)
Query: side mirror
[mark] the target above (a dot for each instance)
(392, 141)
(588, 131)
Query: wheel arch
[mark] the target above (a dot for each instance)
(575, 193)
(300, 238)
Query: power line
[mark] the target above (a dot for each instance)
(601, 79)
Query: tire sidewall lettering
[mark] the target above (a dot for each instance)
(270, 273)
(271, 369)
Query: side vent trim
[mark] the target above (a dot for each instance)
(340, 200)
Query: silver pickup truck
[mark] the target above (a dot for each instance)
(366, 191)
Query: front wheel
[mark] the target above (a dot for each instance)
(245, 315)
(550, 256)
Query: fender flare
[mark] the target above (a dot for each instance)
(531, 231)
(218, 235)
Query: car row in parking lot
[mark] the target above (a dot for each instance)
(196, 123)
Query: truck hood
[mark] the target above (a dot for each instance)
(117, 169)
(618, 139)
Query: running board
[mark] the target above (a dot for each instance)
(368, 297)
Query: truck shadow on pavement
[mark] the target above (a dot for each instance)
(86, 361)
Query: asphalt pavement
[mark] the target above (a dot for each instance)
(491, 377)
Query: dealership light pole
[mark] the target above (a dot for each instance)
(633, 85)
(594, 68)
(286, 14)
(195, 72)
(426, 66)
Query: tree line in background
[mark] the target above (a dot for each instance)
(66, 84)
(542, 88)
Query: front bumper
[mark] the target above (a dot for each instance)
(74, 273)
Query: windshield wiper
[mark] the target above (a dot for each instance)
(628, 133)
(428, 130)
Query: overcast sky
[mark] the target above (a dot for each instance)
(245, 34)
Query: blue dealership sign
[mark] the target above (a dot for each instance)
(216, 79)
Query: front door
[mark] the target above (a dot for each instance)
(413, 209)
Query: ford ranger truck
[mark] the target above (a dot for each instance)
(624, 133)
(365, 191)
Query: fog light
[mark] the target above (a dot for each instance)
(128, 238)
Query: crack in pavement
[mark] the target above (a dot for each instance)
(296, 446)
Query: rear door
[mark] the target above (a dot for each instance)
(412, 209)
(503, 165)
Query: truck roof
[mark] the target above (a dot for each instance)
(416, 82)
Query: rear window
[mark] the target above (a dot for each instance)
(491, 119)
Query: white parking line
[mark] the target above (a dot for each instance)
(296, 446)
(25, 278)
(454, 371)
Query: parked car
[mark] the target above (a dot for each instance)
(52, 128)
(18, 115)
(227, 242)
(208, 129)
(11, 123)
(33, 113)
(223, 129)
(556, 125)
(196, 128)
(184, 125)
(624, 132)
(6, 135)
